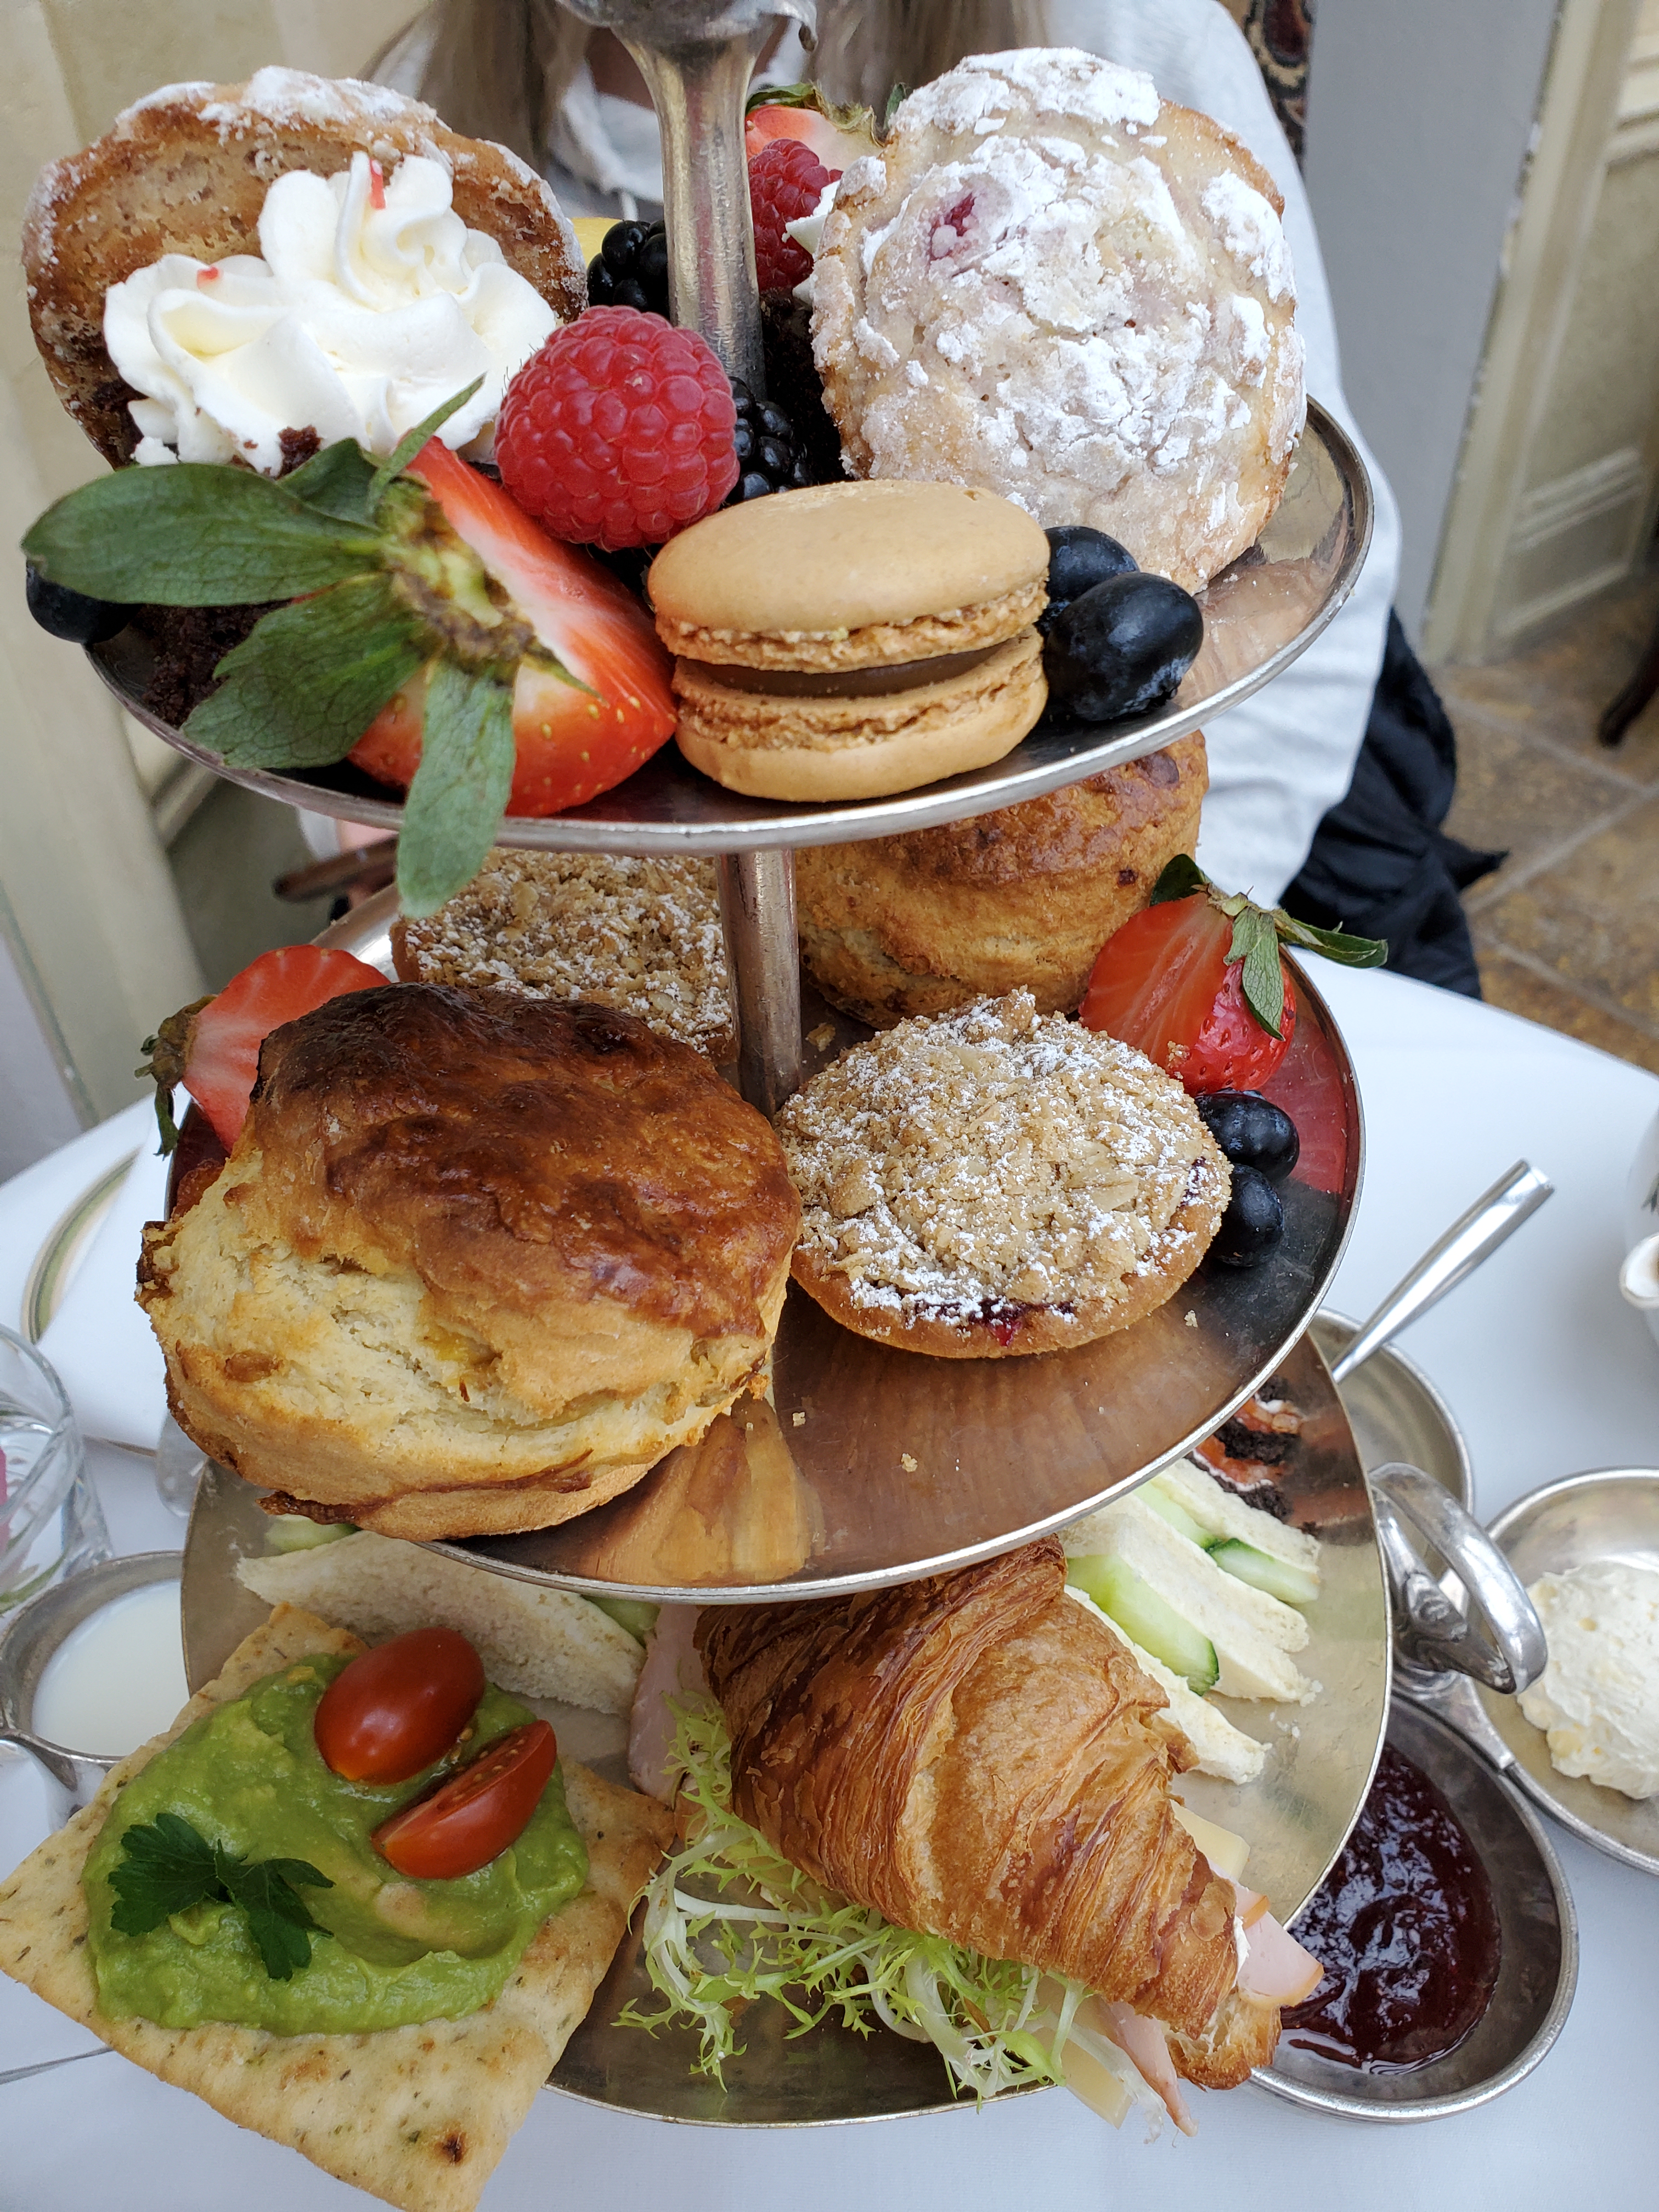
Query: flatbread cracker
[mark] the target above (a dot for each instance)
(418, 2116)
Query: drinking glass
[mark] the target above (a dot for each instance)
(51, 1524)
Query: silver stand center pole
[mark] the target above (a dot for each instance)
(698, 85)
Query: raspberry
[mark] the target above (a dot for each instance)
(786, 181)
(619, 431)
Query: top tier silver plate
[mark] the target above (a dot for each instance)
(1259, 615)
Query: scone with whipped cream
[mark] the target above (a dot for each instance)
(644, 935)
(249, 271)
(1051, 284)
(993, 1182)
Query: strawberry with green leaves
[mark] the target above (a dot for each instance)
(410, 584)
(1196, 981)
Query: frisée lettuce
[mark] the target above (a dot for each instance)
(730, 1920)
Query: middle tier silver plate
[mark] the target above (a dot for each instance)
(872, 1466)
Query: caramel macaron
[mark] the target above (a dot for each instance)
(853, 640)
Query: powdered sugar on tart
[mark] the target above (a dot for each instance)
(996, 1180)
(1052, 284)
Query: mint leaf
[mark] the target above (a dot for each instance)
(301, 690)
(1181, 878)
(336, 482)
(195, 535)
(267, 1890)
(456, 802)
(1255, 942)
(168, 1866)
(412, 441)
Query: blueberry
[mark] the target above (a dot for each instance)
(1253, 1223)
(1079, 558)
(71, 615)
(1121, 647)
(1252, 1131)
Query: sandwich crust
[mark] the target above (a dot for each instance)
(476, 1262)
(774, 746)
(1022, 898)
(186, 171)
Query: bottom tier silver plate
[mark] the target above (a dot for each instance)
(1296, 1818)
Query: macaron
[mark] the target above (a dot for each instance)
(853, 640)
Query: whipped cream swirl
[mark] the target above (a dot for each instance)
(369, 304)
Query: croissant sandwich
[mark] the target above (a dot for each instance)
(977, 1757)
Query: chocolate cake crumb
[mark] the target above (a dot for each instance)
(298, 448)
(190, 642)
(1265, 1447)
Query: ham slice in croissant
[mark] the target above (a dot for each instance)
(975, 1757)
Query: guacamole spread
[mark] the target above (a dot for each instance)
(248, 1776)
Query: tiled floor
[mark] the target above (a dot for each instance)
(1567, 930)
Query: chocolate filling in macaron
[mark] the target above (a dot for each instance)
(853, 639)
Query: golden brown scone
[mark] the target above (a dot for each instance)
(1050, 282)
(641, 934)
(186, 171)
(475, 1263)
(418, 2116)
(994, 1181)
(974, 1757)
(850, 641)
(1024, 898)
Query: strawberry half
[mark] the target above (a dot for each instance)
(212, 1048)
(1196, 981)
(837, 136)
(572, 743)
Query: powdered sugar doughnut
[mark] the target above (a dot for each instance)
(1053, 284)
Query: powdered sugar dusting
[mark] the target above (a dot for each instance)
(966, 1165)
(286, 97)
(641, 935)
(1100, 336)
(1252, 233)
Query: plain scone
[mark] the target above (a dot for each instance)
(475, 1264)
(1051, 284)
(1021, 898)
(186, 169)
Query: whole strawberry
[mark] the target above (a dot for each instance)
(786, 182)
(618, 432)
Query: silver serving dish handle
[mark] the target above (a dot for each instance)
(1497, 1637)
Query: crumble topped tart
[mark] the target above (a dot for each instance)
(995, 1180)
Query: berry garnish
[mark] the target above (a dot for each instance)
(1121, 647)
(618, 432)
(768, 459)
(787, 180)
(571, 739)
(1196, 981)
(1252, 1131)
(212, 1046)
(630, 269)
(72, 615)
(800, 111)
(1079, 559)
(410, 587)
(1253, 1222)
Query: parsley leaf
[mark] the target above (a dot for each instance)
(168, 1866)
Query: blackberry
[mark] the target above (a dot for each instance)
(794, 383)
(630, 269)
(768, 459)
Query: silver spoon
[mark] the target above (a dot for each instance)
(1493, 1218)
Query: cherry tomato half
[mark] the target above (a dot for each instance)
(395, 1709)
(473, 1817)
(1162, 983)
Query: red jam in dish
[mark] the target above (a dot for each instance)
(1405, 1927)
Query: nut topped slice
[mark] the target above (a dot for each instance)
(993, 1182)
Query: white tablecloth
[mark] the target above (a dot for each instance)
(1548, 1372)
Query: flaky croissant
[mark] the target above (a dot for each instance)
(977, 1757)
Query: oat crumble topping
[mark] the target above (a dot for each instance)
(642, 935)
(967, 1164)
